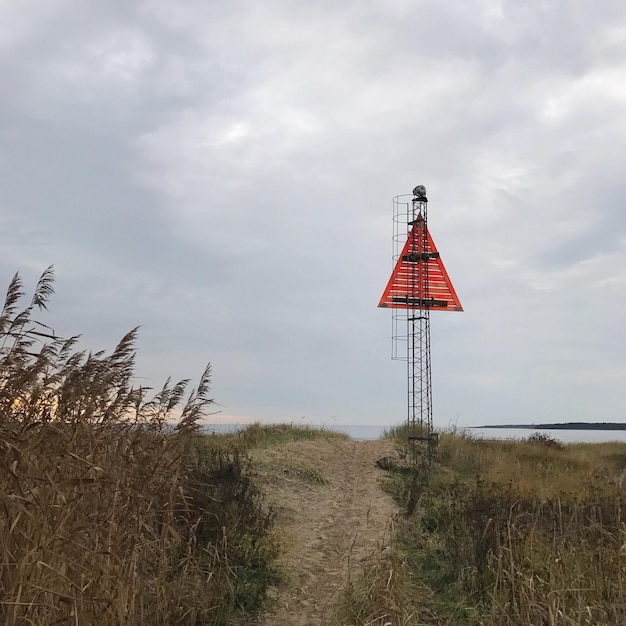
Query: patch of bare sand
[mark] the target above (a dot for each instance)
(331, 528)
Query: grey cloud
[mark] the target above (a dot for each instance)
(222, 174)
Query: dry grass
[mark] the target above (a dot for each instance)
(383, 592)
(519, 532)
(537, 466)
(110, 513)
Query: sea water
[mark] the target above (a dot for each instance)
(563, 435)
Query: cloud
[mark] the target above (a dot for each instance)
(222, 174)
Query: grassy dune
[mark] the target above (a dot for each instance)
(263, 435)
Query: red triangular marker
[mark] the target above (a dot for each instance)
(405, 289)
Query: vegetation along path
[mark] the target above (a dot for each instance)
(334, 516)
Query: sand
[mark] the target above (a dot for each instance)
(331, 529)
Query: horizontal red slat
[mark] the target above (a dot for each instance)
(408, 279)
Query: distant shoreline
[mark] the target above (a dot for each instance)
(562, 426)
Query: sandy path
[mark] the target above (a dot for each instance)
(331, 528)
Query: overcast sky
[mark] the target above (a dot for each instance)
(222, 174)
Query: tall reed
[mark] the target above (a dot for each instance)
(113, 509)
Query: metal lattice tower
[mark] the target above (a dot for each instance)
(416, 318)
(418, 284)
(420, 409)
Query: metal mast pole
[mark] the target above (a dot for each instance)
(420, 411)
